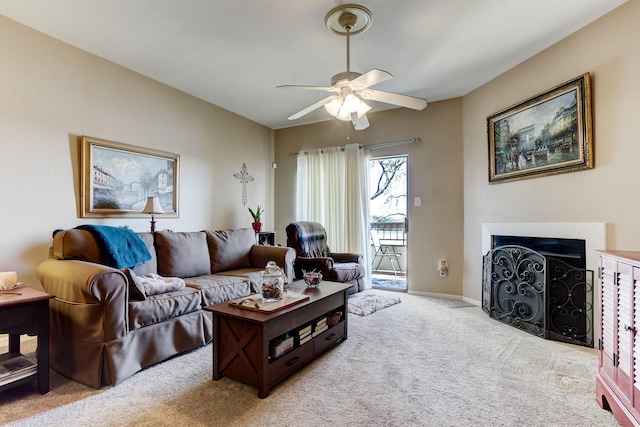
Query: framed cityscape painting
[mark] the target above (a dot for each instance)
(548, 134)
(117, 179)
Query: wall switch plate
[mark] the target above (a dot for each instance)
(417, 201)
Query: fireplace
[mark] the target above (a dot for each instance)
(541, 282)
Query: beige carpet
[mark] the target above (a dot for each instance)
(418, 363)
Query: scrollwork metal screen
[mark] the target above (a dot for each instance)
(541, 295)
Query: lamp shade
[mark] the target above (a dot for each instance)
(153, 206)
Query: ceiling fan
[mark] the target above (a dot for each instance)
(350, 89)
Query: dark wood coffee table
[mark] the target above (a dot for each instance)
(242, 338)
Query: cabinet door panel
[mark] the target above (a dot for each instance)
(636, 341)
(625, 329)
(608, 326)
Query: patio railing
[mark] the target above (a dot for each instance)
(391, 233)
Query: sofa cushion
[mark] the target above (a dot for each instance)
(229, 249)
(217, 288)
(253, 275)
(346, 272)
(182, 254)
(159, 308)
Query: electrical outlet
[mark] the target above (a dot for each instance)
(443, 268)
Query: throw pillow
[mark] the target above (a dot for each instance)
(182, 254)
(136, 290)
(229, 249)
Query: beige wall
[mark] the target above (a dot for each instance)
(52, 93)
(609, 50)
(435, 175)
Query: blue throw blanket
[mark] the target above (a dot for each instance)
(121, 247)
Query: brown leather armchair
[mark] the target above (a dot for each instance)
(309, 239)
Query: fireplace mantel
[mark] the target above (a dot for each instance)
(593, 233)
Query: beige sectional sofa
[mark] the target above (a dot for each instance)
(103, 331)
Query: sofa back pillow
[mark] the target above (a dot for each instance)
(182, 254)
(151, 266)
(229, 249)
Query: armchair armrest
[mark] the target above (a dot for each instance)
(347, 257)
(90, 302)
(321, 264)
(283, 257)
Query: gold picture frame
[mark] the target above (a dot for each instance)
(117, 179)
(548, 134)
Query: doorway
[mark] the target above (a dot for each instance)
(388, 222)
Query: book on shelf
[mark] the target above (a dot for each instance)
(304, 331)
(318, 331)
(306, 334)
(306, 338)
(15, 368)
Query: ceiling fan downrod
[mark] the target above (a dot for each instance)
(347, 20)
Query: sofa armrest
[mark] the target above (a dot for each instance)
(347, 257)
(283, 257)
(319, 264)
(90, 303)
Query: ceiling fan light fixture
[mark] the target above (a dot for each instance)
(333, 106)
(343, 114)
(362, 109)
(351, 103)
(350, 89)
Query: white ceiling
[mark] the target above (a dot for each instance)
(233, 53)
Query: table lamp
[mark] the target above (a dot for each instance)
(153, 207)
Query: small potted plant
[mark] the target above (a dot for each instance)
(257, 225)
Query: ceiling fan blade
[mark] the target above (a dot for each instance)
(371, 78)
(359, 123)
(395, 99)
(327, 88)
(311, 108)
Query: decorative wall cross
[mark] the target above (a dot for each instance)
(244, 178)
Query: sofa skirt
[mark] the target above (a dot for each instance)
(101, 364)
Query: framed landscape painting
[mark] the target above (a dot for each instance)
(117, 179)
(548, 134)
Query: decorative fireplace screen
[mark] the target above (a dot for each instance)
(539, 294)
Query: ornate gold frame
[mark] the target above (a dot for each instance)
(548, 134)
(117, 179)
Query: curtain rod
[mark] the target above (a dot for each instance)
(370, 147)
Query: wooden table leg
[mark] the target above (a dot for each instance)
(43, 347)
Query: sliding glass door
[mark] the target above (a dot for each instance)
(388, 222)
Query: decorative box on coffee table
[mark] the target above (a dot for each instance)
(244, 339)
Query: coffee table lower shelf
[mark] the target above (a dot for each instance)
(241, 337)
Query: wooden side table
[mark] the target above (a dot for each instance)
(25, 310)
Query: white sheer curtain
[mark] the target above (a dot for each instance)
(332, 189)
